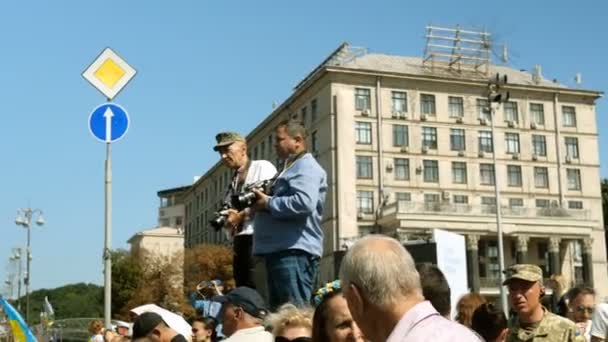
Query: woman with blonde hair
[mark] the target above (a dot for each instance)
(291, 324)
(96, 330)
(465, 307)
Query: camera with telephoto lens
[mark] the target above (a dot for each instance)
(219, 217)
(247, 197)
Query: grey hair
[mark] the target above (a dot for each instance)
(294, 128)
(384, 274)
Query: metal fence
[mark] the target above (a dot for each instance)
(407, 207)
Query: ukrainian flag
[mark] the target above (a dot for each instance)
(21, 332)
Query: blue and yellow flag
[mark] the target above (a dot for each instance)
(21, 332)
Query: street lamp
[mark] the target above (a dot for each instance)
(16, 257)
(25, 221)
(495, 98)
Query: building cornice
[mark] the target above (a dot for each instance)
(467, 82)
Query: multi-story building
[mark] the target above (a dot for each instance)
(172, 209)
(164, 242)
(167, 238)
(408, 147)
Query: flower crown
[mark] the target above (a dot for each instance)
(329, 288)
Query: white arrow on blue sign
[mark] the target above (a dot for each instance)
(109, 122)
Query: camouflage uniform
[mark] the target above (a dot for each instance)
(551, 328)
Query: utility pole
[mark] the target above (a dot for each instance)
(495, 98)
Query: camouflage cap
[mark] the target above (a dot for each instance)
(227, 139)
(525, 272)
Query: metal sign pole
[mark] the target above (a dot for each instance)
(109, 73)
(108, 241)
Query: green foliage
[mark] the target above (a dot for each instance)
(127, 273)
(73, 300)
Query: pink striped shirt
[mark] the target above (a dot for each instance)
(424, 323)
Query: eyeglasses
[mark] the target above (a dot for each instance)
(297, 339)
(583, 308)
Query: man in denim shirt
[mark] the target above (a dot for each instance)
(288, 231)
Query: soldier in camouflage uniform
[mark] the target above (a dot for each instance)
(533, 322)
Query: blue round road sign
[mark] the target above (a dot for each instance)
(109, 122)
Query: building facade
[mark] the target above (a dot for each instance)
(167, 239)
(164, 242)
(408, 147)
(171, 211)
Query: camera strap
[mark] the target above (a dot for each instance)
(235, 179)
(290, 161)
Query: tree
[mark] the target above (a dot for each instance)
(126, 276)
(166, 281)
(206, 262)
(69, 301)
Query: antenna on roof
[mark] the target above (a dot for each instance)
(578, 78)
(274, 104)
(505, 54)
(537, 74)
(457, 50)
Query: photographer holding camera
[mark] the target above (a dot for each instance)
(239, 223)
(288, 233)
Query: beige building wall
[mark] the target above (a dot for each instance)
(333, 90)
(171, 216)
(162, 242)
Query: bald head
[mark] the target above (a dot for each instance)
(382, 269)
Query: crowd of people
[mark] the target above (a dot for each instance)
(381, 293)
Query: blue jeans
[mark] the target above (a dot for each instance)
(291, 275)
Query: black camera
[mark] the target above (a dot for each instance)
(247, 197)
(219, 217)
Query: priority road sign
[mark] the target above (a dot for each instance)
(109, 122)
(109, 73)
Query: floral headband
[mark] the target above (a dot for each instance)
(324, 291)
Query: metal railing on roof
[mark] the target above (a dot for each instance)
(446, 208)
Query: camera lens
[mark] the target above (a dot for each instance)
(218, 222)
(244, 200)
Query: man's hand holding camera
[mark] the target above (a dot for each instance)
(262, 199)
(234, 219)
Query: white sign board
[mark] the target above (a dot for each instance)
(109, 73)
(452, 261)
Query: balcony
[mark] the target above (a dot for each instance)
(406, 207)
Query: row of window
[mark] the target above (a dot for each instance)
(456, 107)
(265, 150)
(430, 171)
(363, 135)
(314, 113)
(365, 201)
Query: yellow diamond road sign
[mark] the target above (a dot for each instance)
(109, 73)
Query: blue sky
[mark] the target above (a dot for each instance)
(204, 67)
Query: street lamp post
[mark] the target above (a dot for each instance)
(16, 257)
(9, 283)
(495, 98)
(25, 221)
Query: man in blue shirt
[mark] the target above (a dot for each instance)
(288, 231)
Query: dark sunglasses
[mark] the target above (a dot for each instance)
(297, 339)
